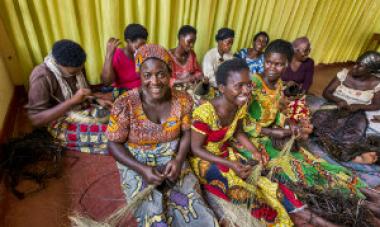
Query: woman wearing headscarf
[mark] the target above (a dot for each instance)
(149, 134)
(301, 67)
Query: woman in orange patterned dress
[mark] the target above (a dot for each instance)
(149, 134)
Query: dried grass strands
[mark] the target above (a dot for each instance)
(285, 152)
(236, 215)
(116, 217)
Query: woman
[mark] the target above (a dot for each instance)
(59, 99)
(265, 123)
(186, 70)
(359, 89)
(222, 171)
(301, 67)
(214, 57)
(149, 138)
(356, 92)
(255, 56)
(119, 67)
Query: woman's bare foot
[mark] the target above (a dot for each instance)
(377, 188)
(308, 218)
(366, 158)
(224, 222)
(372, 195)
(373, 207)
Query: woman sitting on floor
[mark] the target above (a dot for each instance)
(301, 68)
(350, 133)
(149, 134)
(119, 66)
(223, 172)
(58, 98)
(255, 56)
(186, 70)
(265, 125)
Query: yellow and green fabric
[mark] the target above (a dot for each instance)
(301, 166)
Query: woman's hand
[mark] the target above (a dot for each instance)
(264, 156)
(243, 171)
(173, 170)
(152, 175)
(261, 156)
(353, 108)
(294, 128)
(112, 44)
(80, 95)
(342, 104)
(105, 103)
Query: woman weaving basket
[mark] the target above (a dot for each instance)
(59, 98)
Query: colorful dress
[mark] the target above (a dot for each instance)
(191, 66)
(301, 167)
(126, 77)
(155, 145)
(255, 65)
(80, 129)
(272, 201)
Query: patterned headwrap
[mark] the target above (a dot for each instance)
(151, 51)
(371, 60)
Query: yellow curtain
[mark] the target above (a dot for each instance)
(338, 29)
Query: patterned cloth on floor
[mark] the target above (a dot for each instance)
(82, 130)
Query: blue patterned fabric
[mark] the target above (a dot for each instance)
(255, 65)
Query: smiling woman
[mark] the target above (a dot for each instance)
(149, 137)
(255, 56)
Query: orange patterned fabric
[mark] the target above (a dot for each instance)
(151, 51)
(129, 123)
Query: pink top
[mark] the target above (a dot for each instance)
(124, 67)
(191, 66)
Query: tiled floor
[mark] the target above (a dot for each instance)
(90, 184)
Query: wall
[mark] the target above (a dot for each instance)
(8, 64)
(6, 91)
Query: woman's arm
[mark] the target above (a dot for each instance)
(123, 156)
(197, 148)
(173, 168)
(375, 105)
(44, 117)
(108, 73)
(243, 139)
(276, 132)
(328, 93)
(309, 74)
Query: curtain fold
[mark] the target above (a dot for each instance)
(339, 30)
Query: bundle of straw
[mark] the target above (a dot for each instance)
(283, 153)
(116, 217)
(235, 215)
(328, 107)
